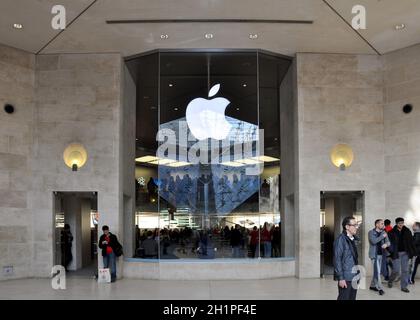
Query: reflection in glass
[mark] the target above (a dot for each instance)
(197, 198)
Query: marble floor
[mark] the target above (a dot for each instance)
(285, 288)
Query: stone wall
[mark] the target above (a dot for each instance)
(402, 134)
(340, 100)
(17, 83)
(78, 99)
(67, 98)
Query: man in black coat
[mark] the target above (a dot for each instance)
(66, 244)
(416, 259)
(402, 249)
(111, 249)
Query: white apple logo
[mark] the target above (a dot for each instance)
(206, 118)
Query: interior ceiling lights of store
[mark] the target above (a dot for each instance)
(173, 163)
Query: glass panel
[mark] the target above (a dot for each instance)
(200, 190)
(270, 71)
(145, 71)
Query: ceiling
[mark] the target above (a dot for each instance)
(89, 32)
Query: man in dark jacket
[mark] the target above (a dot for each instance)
(235, 241)
(416, 259)
(402, 249)
(346, 260)
(150, 246)
(111, 249)
(66, 243)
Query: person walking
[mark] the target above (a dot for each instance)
(416, 258)
(378, 240)
(111, 249)
(402, 250)
(345, 260)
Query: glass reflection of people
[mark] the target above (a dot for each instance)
(236, 186)
(265, 189)
(254, 241)
(150, 246)
(66, 244)
(276, 242)
(204, 239)
(166, 241)
(236, 241)
(171, 212)
(151, 188)
(266, 240)
(172, 191)
(137, 237)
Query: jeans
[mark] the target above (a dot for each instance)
(377, 266)
(400, 265)
(267, 249)
(236, 251)
(110, 261)
(348, 293)
(416, 261)
(384, 268)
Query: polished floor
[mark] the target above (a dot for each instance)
(286, 288)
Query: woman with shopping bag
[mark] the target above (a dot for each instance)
(111, 249)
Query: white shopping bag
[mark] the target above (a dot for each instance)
(104, 276)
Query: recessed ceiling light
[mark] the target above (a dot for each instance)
(400, 26)
(244, 85)
(237, 109)
(171, 85)
(17, 26)
(253, 36)
(164, 36)
(208, 36)
(176, 109)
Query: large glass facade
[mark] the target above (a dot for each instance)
(208, 154)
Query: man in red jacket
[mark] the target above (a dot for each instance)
(111, 249)
(388, 226)
(387, 262)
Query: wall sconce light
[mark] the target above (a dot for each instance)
(75, 156)
(342, 156)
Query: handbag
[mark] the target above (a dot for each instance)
(118, 250)
(104, 276)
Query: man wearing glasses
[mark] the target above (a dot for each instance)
(345, 259)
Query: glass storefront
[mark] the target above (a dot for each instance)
(208, 154)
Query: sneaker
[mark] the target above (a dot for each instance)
(410, 281)
(381, 292)
(373, 289)
(405, 290)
